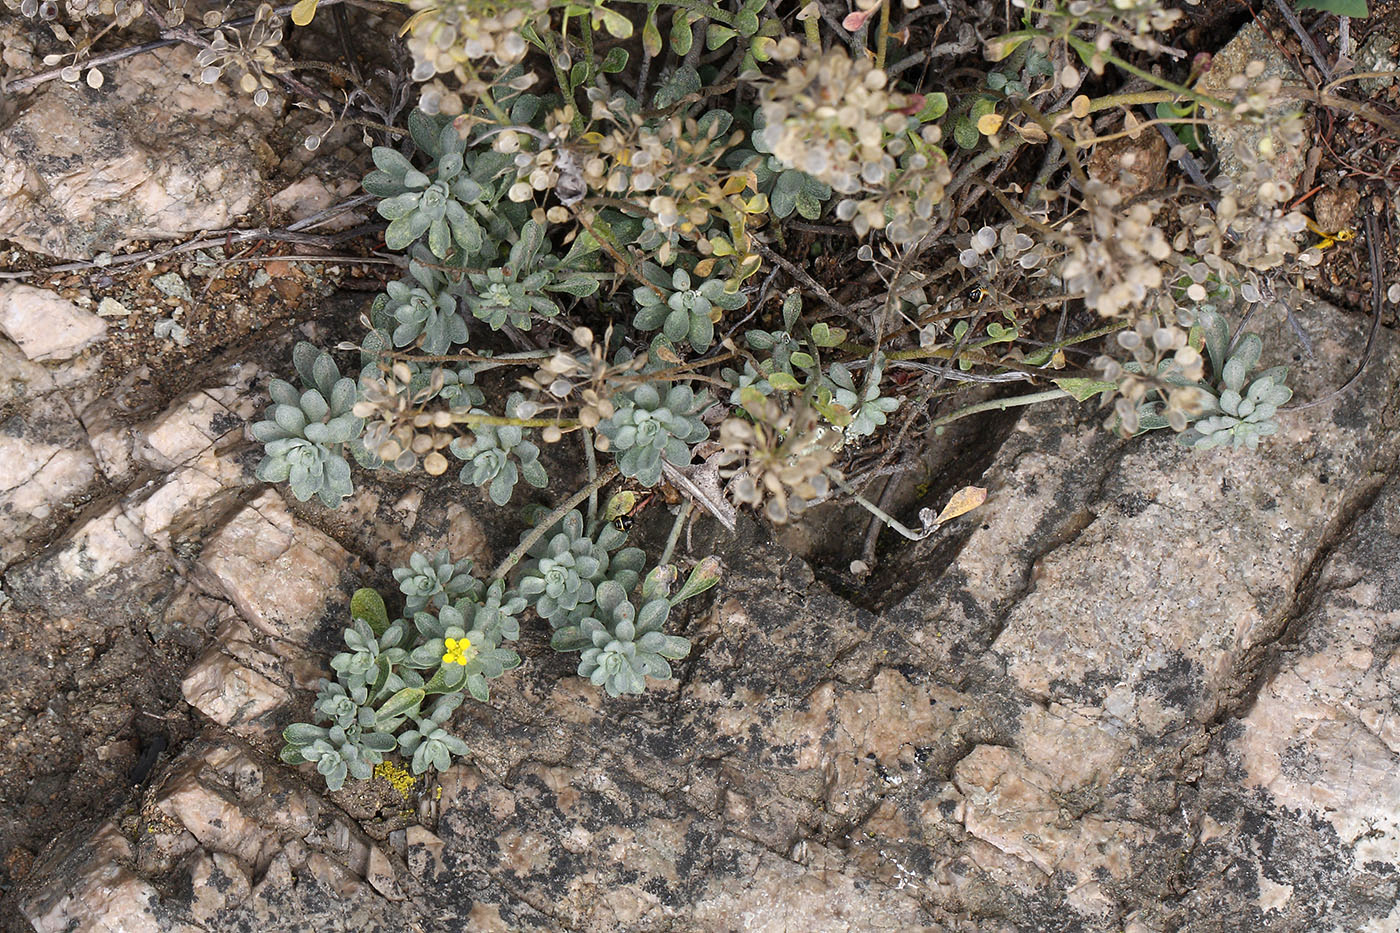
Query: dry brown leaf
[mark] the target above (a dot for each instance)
(963, 501)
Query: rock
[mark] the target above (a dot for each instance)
(154, 154)
(1301, 830)
(21, 381)
(235, 697)
(283, 576)
(48, 468)
(197, 446)
(1250, 44)
(309, 196)
(1380, 52)
(45, 325)
(1132, 165)
(1334, 209)
(1154, 604)
(1143, 689)
(98, 888)
(228, 842)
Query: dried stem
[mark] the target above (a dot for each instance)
(550, 521)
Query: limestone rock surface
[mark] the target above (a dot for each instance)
(153, 154)
(1141, 689)
(46, 326)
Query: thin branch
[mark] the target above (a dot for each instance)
(43, 77)
(549, 521)
(222, 238)
(1313, 52)
(802, 276)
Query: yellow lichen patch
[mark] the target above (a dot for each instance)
(400, 778)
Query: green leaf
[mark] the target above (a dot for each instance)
(617, 25)
(578, 75)
(965, 133)
(1353, 8)
(935, 106)
(578, 285)
(302, 733)
(792, 310)
(824, 335)
(1084, 389)
(999, 333)
(619, 505)
(615, 61)
(747, 21)
(705, 575)
(784, 382)
(682, 35)
(1185, 132)
(404, 703)
(448, 679)
(683, 81)
(1002, 46)
(651, 35)
(717, 35)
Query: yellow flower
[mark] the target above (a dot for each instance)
(457, 649)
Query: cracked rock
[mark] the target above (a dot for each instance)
(46, 326)
(156, 154)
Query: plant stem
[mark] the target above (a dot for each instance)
(697, 6)
(1087, 51)
(882, 36)
(499, 422)
(686, 508)
(550, 521)
(1000, 405)
(591, 460)
(878, 512)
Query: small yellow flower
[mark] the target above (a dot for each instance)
(457, 649)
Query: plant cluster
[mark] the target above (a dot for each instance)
(399, 681)
(699, 238)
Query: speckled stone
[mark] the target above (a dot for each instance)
(1251, 43)
(154, 154)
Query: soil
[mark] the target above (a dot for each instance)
(85, 709)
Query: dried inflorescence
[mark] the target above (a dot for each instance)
(669, 167)
(835, 119)
(1250, 228)
(459, 38)
(252, 52)
(777, 462)
(1133, 22)
(398, 429)
(1116, 259)
(122, 12)
(1161, 360)
(586, 378)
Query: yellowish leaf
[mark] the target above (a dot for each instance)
(620, 504)
(1031, 132)
(304, 11)
(963, 501)
(1079, 106)
(989, 123)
